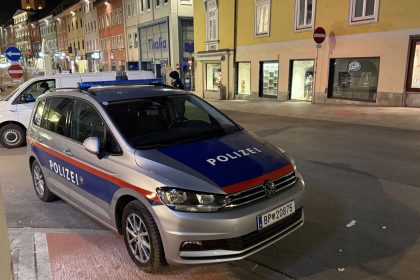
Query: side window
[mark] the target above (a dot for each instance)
(38, 112)
(35, 90)
(55, 119)
(86, 122)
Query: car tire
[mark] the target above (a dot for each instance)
(143, 242)
(40, 184)
(12, 136)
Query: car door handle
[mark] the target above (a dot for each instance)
(68, 152)
(12, 110)
(39, 139)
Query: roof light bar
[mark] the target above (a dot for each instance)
(87, 85)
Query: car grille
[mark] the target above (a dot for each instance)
(256, 237)
(258, 192)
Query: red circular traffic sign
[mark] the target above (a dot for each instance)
(15, 71)
(319, 35)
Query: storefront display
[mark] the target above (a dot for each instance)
(269, 77)
(187, 46)
(302, 73)
(244, 78)
(154, 47)
(354, 78)
(214, 75)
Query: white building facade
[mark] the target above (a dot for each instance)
(160, 36)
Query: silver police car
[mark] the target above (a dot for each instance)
(182, 182)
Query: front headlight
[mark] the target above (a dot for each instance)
(188, 201)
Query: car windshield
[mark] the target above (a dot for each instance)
(152, 122)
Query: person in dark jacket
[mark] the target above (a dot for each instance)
(175, 80)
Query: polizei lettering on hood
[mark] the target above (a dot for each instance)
(64, 172)
(233, 155)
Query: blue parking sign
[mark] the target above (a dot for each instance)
(13, 54)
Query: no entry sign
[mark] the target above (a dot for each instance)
(319, 35)
(15, 71)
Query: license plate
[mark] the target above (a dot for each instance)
(275, 215)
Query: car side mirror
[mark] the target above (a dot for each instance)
(92, 145)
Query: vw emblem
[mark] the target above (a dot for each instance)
(269, 188)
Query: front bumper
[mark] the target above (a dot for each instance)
(229, 234)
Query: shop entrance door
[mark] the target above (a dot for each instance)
(301, 80)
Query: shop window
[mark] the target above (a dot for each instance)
(353, 79)
(269, 77)
(413, 80)
(304, 14)
(302, 79)
(262, 17)
(244, 78)
(213, 74)
(363, 11)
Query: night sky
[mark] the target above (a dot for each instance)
(9, 7)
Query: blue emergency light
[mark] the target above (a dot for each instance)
(87, 85)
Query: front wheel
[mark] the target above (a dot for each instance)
(40, 185)
(142, 238)
(12, 136)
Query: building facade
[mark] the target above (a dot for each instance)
(62, 58)
(33, 4)
(75, 38)
(49, 43)
(36, 44)
(111, 35)
(370, 56)
(161, 36)
(90, 20)
(22, 28)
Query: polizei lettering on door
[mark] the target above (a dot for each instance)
(64, 172)
(233, 155)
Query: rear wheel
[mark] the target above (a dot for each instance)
(142, 238)
(12, 136)
(40, 185)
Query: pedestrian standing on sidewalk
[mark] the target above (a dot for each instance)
(175, 80)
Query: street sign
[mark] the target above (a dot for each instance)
(13, 54)
(15, 71)
(319, 35)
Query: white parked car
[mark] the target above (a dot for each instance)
(15, 109)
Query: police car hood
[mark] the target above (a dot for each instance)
(224, 164)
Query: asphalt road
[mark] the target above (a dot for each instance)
(362, 206)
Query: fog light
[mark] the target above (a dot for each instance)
(192, 246)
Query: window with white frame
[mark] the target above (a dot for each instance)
(157, 3)
(363, 11)
(148, 5)
(262, 17)
(212, 21)
(304, 14)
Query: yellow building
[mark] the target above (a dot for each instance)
(370, 56)
(76, 38)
